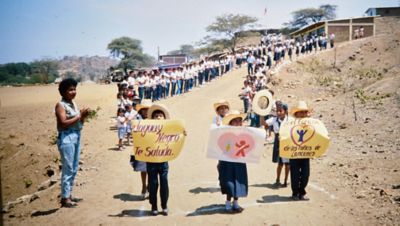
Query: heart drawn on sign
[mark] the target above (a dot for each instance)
(236, 146)
(301, 134)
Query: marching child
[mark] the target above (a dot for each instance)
(233, 175)
(300, 168)
(139, 166)
(121, 125)
(275, 122)
(157, 170)
(221, 108)
(130, 115)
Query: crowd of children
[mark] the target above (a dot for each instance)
(140, 89)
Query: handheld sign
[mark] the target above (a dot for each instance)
(236, 144)
(157, 140)
(303, 138)
(262, 102)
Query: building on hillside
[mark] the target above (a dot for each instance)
(383, 11)
(342, 28)
(171, 61)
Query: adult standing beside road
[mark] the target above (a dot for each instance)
(69, 125)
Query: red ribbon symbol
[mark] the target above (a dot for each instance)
(242, 146)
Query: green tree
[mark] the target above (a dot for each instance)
(303, 17)
(130, 52)
(229, 27)
(184, 49)
(45, 71)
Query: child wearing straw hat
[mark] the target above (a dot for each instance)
(139, 166)
(157, 170)
(300, 168)
(233, 175)
(221, 108)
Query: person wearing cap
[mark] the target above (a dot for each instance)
(157, 170)
(139, 166)
(275, 122)
(233, 175)
(300, 168)
(221, 108)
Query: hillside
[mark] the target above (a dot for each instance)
(87, 68)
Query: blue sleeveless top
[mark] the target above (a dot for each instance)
(71, 110)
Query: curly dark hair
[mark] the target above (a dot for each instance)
(65, 84)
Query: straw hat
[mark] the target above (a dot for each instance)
(159, 107)
(262, 102)
(145, 103)
(221, 103)
(301, 106)
(232, 115)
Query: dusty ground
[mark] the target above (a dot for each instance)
(356, 183)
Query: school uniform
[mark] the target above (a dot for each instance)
(299, 175)
(121, 125)
(138, 166)
(275, 122)
(157, 170)
(233, 179)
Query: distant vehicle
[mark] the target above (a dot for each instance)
(117, 75)
(113, 75)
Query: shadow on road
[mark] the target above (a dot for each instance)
(44, 212)
(199, 190)
(275, 198)
(128, 197)
(132, 213)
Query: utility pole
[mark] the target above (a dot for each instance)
(158, 53)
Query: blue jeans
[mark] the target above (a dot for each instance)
(246, 104)
(166, 90)
(155, 170)
(178, 90)
(141, 92)
(173, 88)
(250, 68)
(68, 143)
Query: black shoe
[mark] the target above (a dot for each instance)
(154, 212)
(237, 209)
(165, 212)
(295, 197)
(67, 203)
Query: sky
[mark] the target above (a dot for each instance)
(36, 29)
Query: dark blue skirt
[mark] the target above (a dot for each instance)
(233, 178)
(275, 150)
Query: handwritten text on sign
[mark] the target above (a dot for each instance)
(157, 140)
(236, 144)
(303, 138)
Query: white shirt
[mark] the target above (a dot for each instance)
(121, 122)
(131, 81)
(275, 123)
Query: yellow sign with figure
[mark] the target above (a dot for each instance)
(157, 140)
(303, 138)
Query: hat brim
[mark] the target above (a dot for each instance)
(260, 99)
(217, 105)
(159, 107)
(228, 118)
(294, 110)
